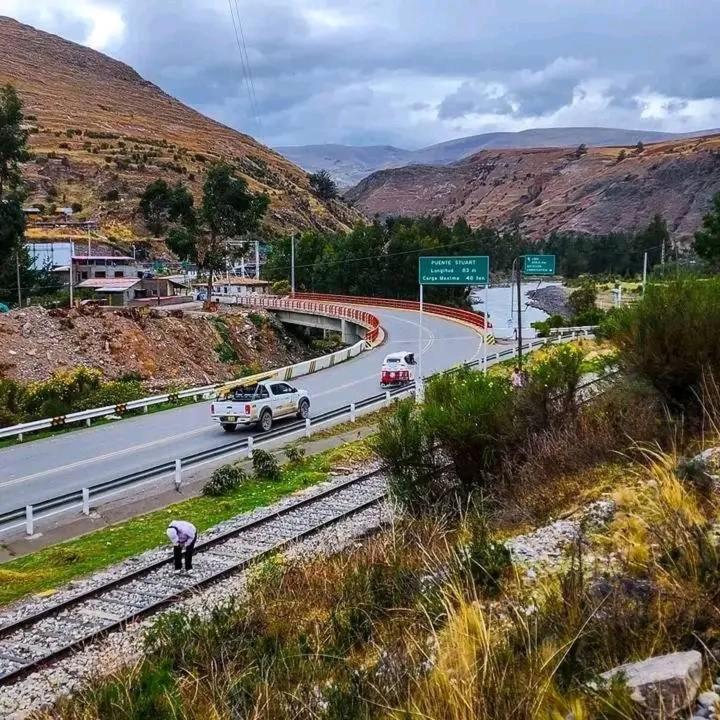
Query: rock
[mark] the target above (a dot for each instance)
(665, 685)
(709, 699)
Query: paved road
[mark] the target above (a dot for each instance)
(46, 468)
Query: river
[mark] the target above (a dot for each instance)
(502, 317)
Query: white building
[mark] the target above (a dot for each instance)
(239, 287)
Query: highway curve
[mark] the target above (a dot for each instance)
(46, 468)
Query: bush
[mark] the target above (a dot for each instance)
(295, 454)
(583, 299)
(76, 207)
(669, 337)
(224, 481)
(281, 287)
(266, 466)
(111, 195)
(482, 558)
(407, 450)
(543, 327)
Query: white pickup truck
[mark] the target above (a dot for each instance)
(259, 403)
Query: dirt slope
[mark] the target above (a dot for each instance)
(162, 346)
(553, 189)
(98, 127)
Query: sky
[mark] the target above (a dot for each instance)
(410, 72)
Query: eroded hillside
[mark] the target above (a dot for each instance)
(599, 191)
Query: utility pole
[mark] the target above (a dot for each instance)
(645, 264)
(17, 270)
(518, 270)
(292, 265)
(72, 253)
(257, 259)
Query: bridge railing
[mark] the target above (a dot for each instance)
(326, 308)
(468, 317)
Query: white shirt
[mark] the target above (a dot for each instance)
(181, 532)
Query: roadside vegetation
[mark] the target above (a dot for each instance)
(434, 618)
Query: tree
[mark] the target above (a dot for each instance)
(13, 139)
(621, 155)
(639, 147)
(583, 299)
(161, 205)
(707, 240)
(581, 150)
(228, 211)
(323, 185)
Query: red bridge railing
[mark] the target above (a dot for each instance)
(466, 316)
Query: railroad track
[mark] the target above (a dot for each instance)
(32, 641)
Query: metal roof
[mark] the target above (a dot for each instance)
(109, 284)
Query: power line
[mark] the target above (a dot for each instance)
(247, 61)
(243, 63)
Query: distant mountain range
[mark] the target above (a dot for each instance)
(349, 164)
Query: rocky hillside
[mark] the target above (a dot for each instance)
(161, 347)
(349, 164)
(100, 134)
(545, 190)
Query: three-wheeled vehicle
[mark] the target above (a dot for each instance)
(398, 369)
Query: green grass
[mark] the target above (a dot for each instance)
(43, 571)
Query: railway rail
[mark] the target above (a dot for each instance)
(44, 635)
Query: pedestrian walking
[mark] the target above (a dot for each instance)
(516, 379)
(182, 535)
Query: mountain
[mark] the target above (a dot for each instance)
(99, 131)
(545, 190)
(349, 164)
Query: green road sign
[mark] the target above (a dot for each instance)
(463, 270)
(539, 264)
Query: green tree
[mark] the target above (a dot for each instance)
(583, 299)
(13, 140)
(323, 185)
(228, 211)
(707, 239)
(162, 205)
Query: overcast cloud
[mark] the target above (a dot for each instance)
(412, 72)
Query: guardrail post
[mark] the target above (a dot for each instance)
(387, 398)
(308, 428)
(29, 520)
(352, 412)
(88, 422)
(145, 409)
(178, 474)
(250, 447)
(20, 437)
(86, 501)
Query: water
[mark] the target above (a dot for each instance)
(499, 306)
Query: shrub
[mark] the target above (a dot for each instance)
(543, 327)
(669, 338)
(224, 481)
(407, 450)
(295, 454)
(76, 207)
(482, 558)
(111, 196)
(281, 287)
(256, 319)
(583, 299)
(266, 466)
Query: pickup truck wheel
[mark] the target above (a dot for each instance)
(229, 427)
(304, 409)
(265, 421)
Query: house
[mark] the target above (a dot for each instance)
(87, 267)
(117, 291)
(239, 286)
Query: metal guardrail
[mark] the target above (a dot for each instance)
(206, 392)
(82, 497)
(577, 330)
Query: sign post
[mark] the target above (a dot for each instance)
(458, 270)
(531, 265)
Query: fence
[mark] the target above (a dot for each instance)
(325, 308)
(466, 316)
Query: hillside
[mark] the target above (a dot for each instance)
(547, 190)
(99, 128)
(349, 164)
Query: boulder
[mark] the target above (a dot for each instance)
(666, 685)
